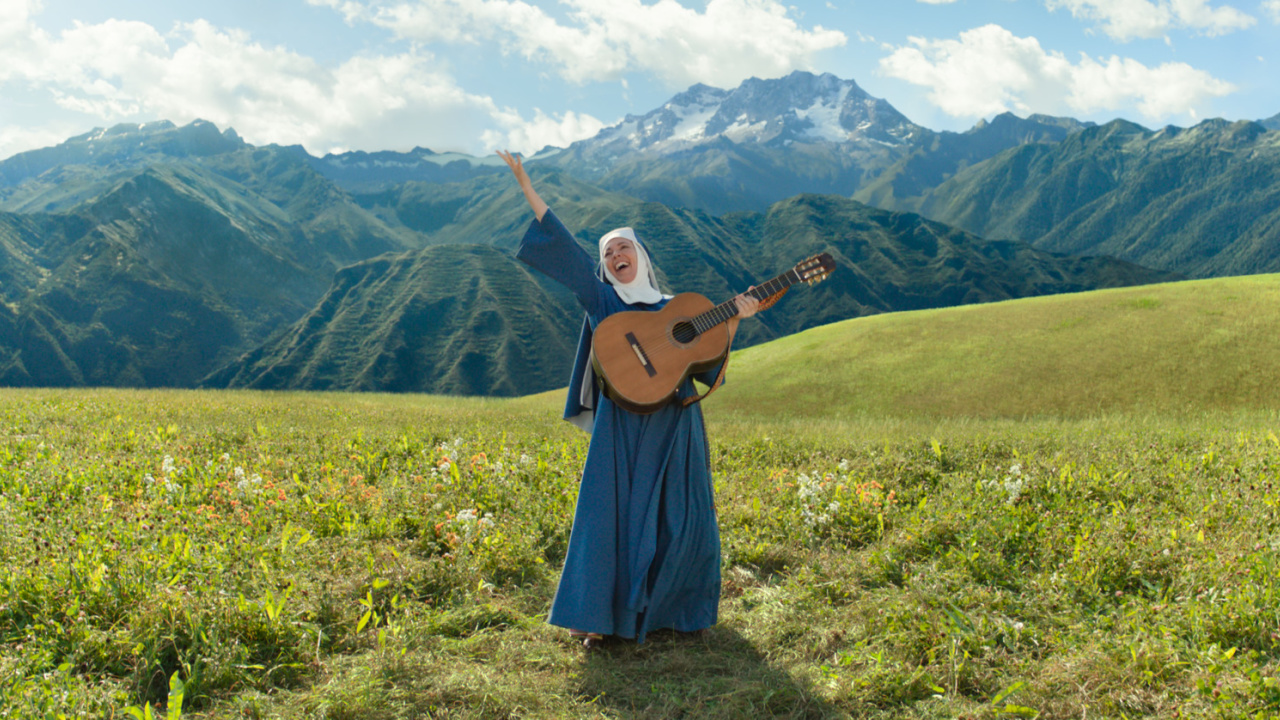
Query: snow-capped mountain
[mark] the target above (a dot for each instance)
(801, 107)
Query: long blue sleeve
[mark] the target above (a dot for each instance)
(548, 247)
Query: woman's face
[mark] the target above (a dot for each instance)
(620, 258)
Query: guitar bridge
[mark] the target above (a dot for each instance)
(639, 351)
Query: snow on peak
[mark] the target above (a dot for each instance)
(801, 107)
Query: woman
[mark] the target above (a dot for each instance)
(644, 552)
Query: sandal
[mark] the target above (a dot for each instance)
(590, 640)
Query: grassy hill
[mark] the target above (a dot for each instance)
(367, 334)
(1200, 201)
(1186, 346)
(460, 319)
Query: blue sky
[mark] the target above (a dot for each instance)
(474, 75)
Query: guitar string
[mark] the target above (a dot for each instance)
(720, 313)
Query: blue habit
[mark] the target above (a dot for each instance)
(644, 552)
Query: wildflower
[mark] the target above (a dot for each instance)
(167, 467)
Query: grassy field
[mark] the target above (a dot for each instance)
(331, 556)
(1168, 349)
(285, 555)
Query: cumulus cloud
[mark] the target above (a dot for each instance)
(120, 71)
(723, 44)
(529, 136)
(1129, 19)
(1273, 8)
(14, 139)
(989, 70)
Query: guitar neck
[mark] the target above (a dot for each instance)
(727, 309)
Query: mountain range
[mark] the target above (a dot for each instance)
(163, 255)
(470, 319)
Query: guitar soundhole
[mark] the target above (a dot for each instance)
(684, 332)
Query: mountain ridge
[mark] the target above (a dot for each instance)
(1203, 201)
(886, 261)
(121, 244)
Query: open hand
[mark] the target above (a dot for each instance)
(516, 164)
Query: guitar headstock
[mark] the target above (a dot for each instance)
(815, 269)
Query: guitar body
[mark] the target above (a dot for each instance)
(643, 357)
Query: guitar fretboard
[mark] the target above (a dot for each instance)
(728, 308)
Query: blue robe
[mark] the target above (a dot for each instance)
(644, 552)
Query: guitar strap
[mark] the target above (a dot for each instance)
(765, 304)
(719, 381)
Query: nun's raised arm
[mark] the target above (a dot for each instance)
(522, 177)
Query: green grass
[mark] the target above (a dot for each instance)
(316, 556)
(1173, 348)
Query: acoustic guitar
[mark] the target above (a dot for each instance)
(643, 357)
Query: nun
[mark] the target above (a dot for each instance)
(644, 552)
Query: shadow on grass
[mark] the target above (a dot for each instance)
(719, 674)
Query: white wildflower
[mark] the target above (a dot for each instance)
(1013, 486)
(167, 467)
(247, 484)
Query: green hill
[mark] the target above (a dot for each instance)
(457, 319)
(157, 274)
(366, 335)
(1204, 201)
(1186, 346)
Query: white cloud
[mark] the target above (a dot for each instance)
(989, 70)
(1129, 19)
(1272, 7)
(529, 137)
(725, 43)
(120, 71)
(937, 2)
(14, 139)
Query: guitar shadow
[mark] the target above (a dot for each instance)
(718, 674)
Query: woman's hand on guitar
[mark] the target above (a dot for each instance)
(747, 305)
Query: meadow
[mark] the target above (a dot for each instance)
(338, 556)
(304, 555)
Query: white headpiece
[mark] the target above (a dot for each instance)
(643, 288)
